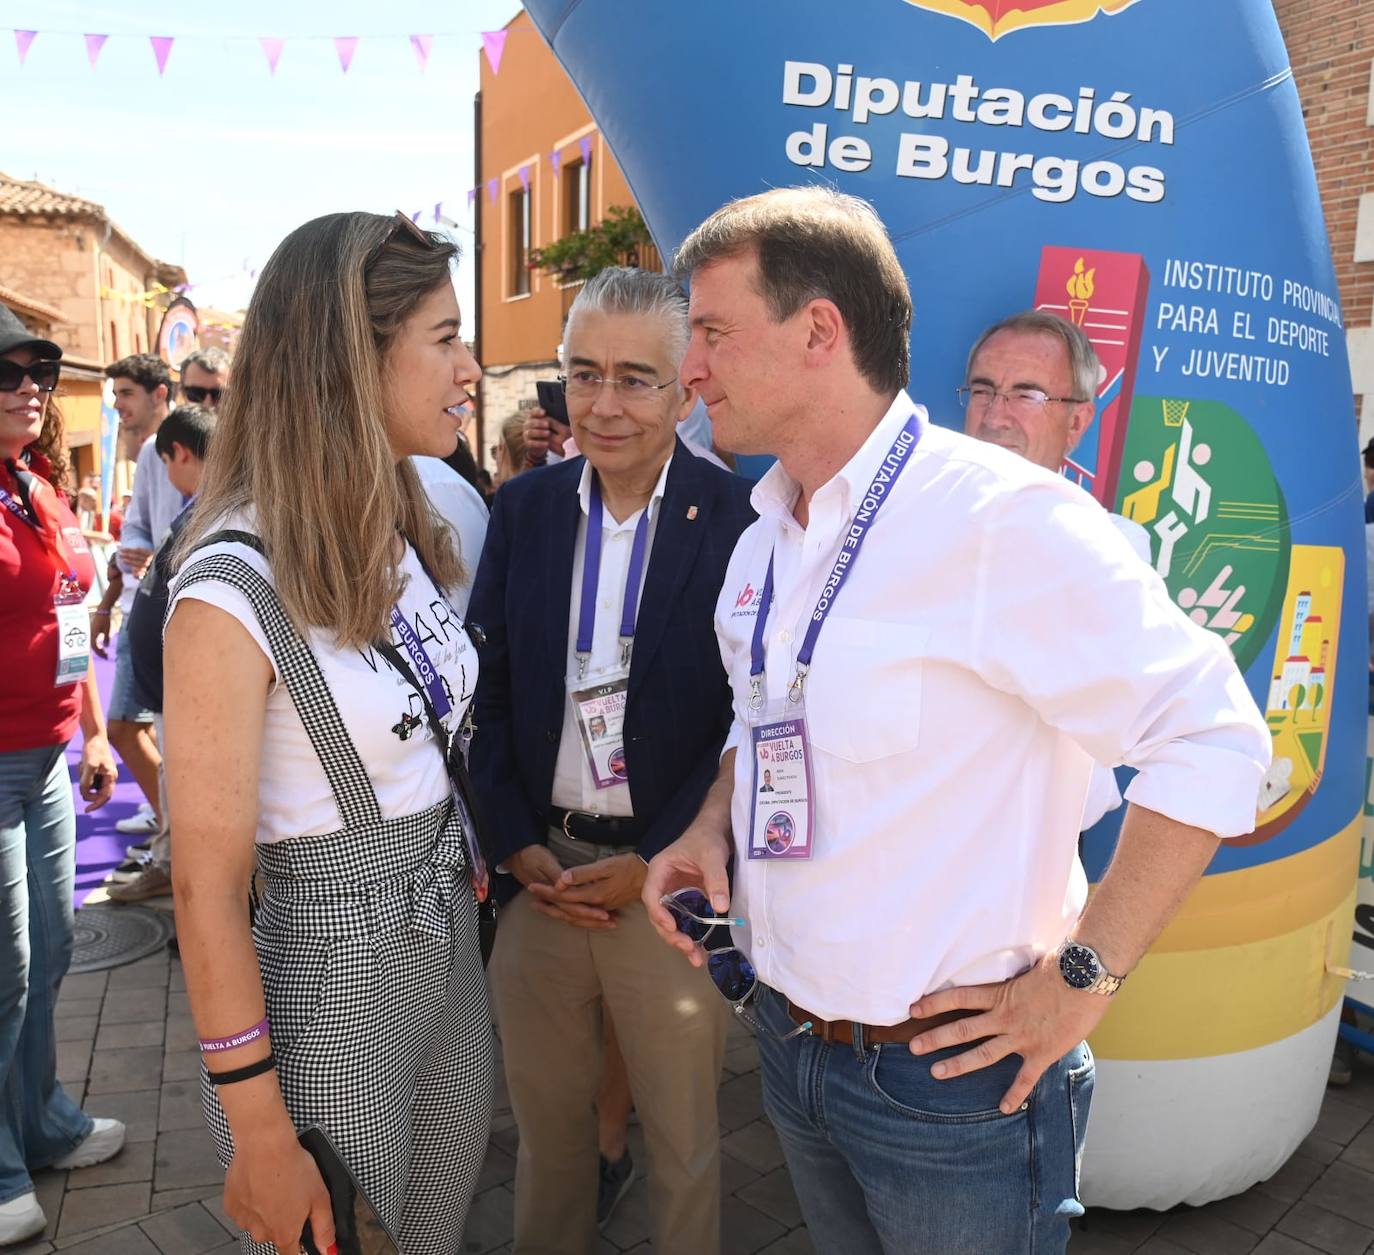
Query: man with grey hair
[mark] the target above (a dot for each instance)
(1030, 387)
(603, 707)
(945, 639)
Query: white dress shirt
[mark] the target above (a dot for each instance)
(994, 637)
(573, 787)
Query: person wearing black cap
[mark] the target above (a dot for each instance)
(45, 570)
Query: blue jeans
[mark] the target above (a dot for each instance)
(38, 1122)
(887, 1159)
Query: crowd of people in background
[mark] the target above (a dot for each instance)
(681, 727)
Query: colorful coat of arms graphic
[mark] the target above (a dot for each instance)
(996, 18)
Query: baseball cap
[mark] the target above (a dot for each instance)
(14, 335)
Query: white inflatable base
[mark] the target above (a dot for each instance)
(1196, 1130)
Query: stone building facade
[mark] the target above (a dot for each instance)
(76, 277)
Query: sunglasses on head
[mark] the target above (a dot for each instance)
(44, 375)
(730, 970)
(198, 396)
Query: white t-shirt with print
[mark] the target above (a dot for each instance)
(408, 775)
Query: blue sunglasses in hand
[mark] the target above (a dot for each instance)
(729, 968)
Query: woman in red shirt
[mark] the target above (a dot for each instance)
(48, 689)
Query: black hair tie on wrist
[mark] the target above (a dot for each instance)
(245, 1073)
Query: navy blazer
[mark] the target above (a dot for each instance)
(678, 707)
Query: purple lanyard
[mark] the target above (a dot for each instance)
(419, 659)
(591, 579)
(872, 501)
(17, 508)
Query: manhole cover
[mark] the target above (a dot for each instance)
(110, 936)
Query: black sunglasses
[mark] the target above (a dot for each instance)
(44, 375)
(197, 396)
(729, 969)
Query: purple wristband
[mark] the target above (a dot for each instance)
(212, 1045)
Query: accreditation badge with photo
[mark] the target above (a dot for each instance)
(600, 711)
(781, 800)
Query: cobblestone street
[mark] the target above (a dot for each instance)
(127, 1044)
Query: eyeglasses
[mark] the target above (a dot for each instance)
(1024, 402)
(44, 375)
(584, 384)
(729, 968)
(197, 396)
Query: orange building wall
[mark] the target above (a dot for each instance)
(529, 109)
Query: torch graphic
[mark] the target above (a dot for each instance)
(1080, 290)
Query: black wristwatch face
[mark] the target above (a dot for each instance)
(1079, 967)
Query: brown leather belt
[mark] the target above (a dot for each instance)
(869, 1034)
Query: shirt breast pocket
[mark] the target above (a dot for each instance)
(863, 694)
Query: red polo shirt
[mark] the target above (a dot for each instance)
(34, 711)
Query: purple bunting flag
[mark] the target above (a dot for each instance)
(472, 196)
(493, 189)
(494, 45)
(345, 46)
(271, 49)
(525, 177)
(556, 160)
(94, 43)
(585, 144)
(438, 211)
(22, 40)
(422, 45)
(162, 49)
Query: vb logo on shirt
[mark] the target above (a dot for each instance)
(748, 598)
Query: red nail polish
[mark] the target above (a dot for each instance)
(333, 1249)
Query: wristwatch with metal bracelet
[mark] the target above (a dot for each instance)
(1083, 969)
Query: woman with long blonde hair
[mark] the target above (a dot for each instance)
(315, 673)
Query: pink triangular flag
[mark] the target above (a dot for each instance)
(585, 144)
(94, 43)
(494, 45)
(525, 177)
(23, 39)
(555, 160)
(162, 49)
(271, 49)
(422, 45)
(493, 189)
(345, 46)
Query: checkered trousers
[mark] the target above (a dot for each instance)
(367, 944)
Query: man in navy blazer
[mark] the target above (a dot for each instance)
(601, 711)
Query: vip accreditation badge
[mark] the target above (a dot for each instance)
(73, 637)
(782, 813)
(600, 713)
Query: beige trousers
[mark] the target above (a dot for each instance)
(548, 980)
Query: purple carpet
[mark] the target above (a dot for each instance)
(99, 848)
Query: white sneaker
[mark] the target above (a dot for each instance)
(142, 823)
(103, 1142)
(21, 1218)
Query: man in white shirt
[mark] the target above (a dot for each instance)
(142, 388)
(1029, 388)
(929, 641)
(142, 397)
